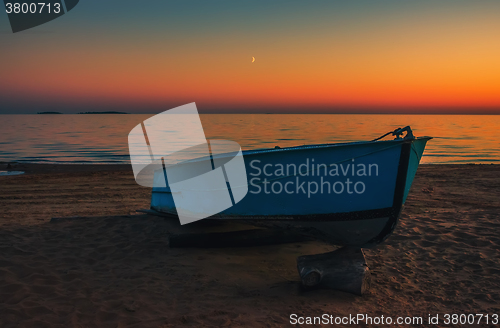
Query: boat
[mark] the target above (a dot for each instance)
(346, 194)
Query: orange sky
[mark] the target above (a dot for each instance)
(445, 60)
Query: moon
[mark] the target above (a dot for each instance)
(253, 59)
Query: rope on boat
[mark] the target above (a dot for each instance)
(385, 135)
(398, 132)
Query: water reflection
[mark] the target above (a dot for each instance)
(103, 138)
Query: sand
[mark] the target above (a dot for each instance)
(112, 267)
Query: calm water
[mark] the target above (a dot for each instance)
(103, 138)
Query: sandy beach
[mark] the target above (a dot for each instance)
(112, 266)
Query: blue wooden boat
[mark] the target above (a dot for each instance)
(347, 194)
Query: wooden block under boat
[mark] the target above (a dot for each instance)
(344, 269)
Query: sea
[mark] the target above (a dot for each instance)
(102, 138)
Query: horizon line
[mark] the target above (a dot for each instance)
(258, 113)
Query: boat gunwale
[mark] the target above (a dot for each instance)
(259, 151)
(327, 145)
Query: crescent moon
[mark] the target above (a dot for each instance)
(253, 59)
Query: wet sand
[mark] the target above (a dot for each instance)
(112, 267)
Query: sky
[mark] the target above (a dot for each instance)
(334, 56)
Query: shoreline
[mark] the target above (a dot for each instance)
(39, 168)
(44, 168)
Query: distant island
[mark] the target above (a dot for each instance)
(102, 113)
(85, 113)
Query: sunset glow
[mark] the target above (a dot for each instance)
(398, 58)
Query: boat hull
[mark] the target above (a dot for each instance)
(346, 194)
